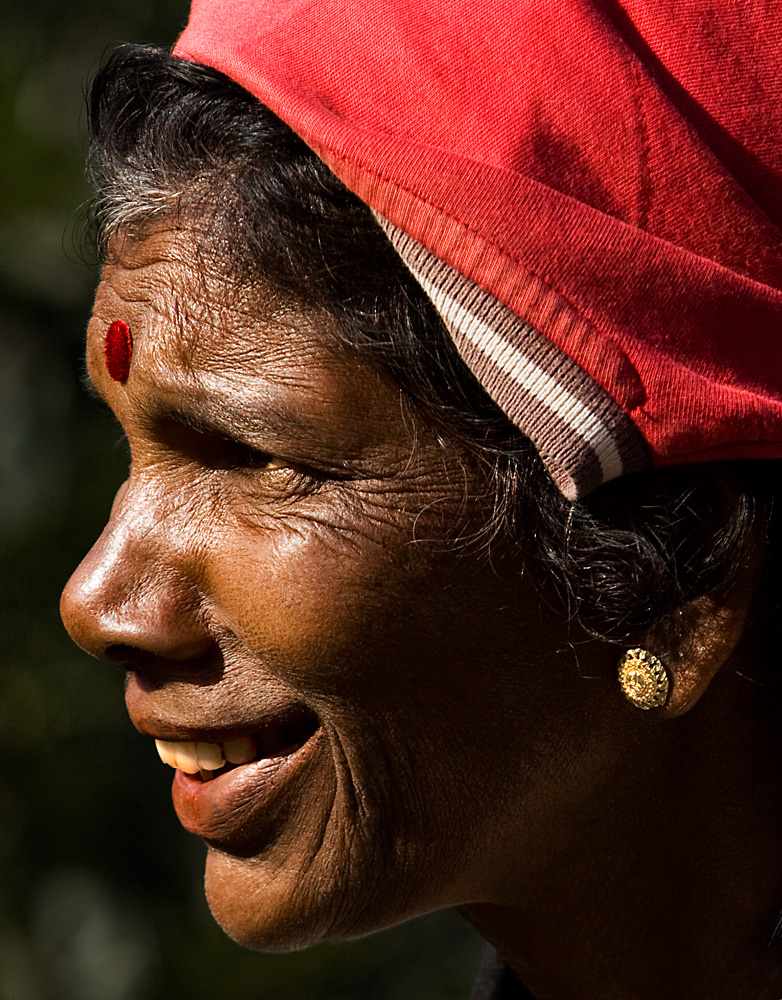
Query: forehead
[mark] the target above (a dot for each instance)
(200, 337)
(184, 310)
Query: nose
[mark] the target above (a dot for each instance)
(131, 598)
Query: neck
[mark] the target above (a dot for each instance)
(667, 879)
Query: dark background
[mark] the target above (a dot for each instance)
(100, 889)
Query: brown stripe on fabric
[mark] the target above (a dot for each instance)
(570, 459)
(582, 435)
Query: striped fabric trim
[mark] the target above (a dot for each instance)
(582, 435)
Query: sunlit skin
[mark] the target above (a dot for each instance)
(294, 535)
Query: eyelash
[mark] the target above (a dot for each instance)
(224, 453)
(296, 481)
(232, 456)
(242, 456)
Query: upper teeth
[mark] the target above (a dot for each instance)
(192, 757)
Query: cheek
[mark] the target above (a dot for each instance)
(412, 660)
(324, 605)
(403, 652)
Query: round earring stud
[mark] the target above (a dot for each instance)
(643, 679)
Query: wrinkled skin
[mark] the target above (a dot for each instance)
(293, 533)
(332, 576)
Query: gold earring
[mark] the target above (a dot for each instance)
(643, 679)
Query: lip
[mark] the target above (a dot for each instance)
(244, 806)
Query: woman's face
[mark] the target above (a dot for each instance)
(285, 563)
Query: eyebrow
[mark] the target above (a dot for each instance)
(247, 426)
(194, 421)
(228, 420)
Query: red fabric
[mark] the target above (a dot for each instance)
(117, 349)
(611, 171)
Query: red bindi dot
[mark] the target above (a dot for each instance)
(117, 348)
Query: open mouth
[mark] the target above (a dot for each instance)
(205, 761)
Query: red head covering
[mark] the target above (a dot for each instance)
(590, 191)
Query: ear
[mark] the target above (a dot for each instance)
(704, 636)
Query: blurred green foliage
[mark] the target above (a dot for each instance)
(100, 889)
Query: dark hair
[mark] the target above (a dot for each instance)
(170, 137)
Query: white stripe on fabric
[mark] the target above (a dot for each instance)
(527, 374)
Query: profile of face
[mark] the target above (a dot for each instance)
(287, 575)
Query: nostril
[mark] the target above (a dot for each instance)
(195, 662)
(119, 653)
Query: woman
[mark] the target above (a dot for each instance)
(410, 484)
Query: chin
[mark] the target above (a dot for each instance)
(290, 909)
(259, 910)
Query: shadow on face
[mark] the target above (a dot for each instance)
(343, 688)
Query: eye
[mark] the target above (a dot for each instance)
(237, 455)
(215, 450)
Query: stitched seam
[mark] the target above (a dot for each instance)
(465, 225)
(645, 186)
(508, 256)
(491, 243)
(514, 260)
